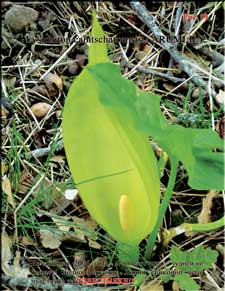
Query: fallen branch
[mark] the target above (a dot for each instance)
(154, 72)
(150, 21)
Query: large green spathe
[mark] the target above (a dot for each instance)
(112, 163)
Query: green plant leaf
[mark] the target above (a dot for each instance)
(166, 277)
(200, 150)
(196, 260)
(97, 52)
(193, 261)
(139, 279)
(186, 282)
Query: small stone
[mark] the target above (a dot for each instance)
(97, 265)
(53, 79)
(4, 112)
(40, 109)
(58, 113)
(73, 68)
(80, 58)
(18, 17)
(196, 93)
(6, 3)
(220, 97)
(41, 89)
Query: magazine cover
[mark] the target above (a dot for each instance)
(112, 145)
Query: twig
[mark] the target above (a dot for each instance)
(178, 18)
(11, 39)
(44, 151)
(177, 27)
(211, 100)
(150, 21)
(154, 72)
(25, 102)
(214, 55)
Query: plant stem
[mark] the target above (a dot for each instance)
(162, 163)
(127, 253)
(162, 209)
(207, 226)
(169, 234)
